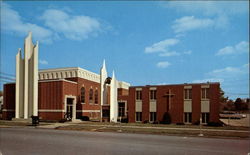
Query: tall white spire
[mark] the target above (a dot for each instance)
(113, 99)
(103, 77)
(27, 80)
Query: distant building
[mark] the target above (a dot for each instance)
(72, 93)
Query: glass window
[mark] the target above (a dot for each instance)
(188, 117)
(105, 113)
(121, 112)
(82, 95)
(96, 96)
(138, 95)
(204, 93)
(152, 116)
(91, 95)
(138, 116)
(205, 117)
(152, 94)
(187, 93)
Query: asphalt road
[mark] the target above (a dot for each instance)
(25, 141)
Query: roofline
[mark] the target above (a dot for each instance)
(65, 68)
(177, 84)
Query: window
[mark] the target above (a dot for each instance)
(152, 117)
(105, 113)
(82, 95)
(121, 112)
(138, 95)
(138, 116)
(205, 117)
(204, 93)
(188, 117)
(187, 93)
(96, 96)
(91, 95)
(152, 94)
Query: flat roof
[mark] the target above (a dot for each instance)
(184, 84)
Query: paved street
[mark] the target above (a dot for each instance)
(24, 141)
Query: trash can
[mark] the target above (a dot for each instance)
(35, 120)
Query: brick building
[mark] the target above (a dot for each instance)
(55, 94)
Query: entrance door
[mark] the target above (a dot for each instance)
(69, 112)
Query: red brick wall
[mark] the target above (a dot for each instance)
(214, 96)
(50, 95)
(177, 102)
(87, 105)
(131, 105)
(9, 97)
(51, 115)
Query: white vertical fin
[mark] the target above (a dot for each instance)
(113, 99)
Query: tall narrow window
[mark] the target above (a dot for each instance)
(91, 95)
(187, 93)
(138, 95)
(188, 117)
(82, 95)
(138, 116)
(205, 117)
(152, 94)
(121, 109)
(204, 93)
(152, 117)
(96, 96)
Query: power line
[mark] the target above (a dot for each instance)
(7, 74)
(6, 78)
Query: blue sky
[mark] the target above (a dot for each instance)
(146, 42)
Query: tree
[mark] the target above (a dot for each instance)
(238, 104)
(1, 93)
(223, 101)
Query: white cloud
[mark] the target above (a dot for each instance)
(216, 14)
(209, 8)
(230, 72)
(70, 26)
(168, 54)
(162, 47)
(12, 22)
(242, 47)
(188, 23)
(43, 62)
(163, 64)
(188, 52)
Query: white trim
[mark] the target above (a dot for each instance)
(69, 73)
(51, 110)
(204, 86)
(187, 87)
(153, 88)
(88, 110)
(74, 105)
(138, 89)
(58, 80)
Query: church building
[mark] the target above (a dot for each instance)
(75, 93)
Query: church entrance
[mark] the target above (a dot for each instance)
(69, 110)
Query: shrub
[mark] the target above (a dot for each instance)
(215, 124)
(156, 122)
(196, 123)
(62, 120)
(84, 118)
(180, 123)
(124, 120)
(146, 121)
